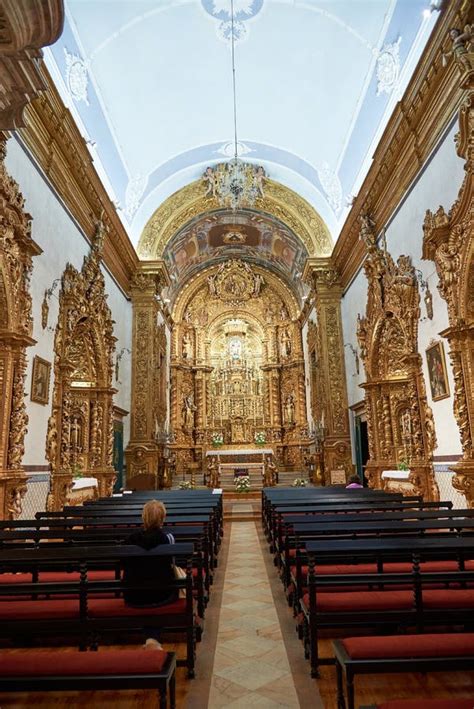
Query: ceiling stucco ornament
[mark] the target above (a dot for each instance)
(227, 149)
(192, 201)
(331, 185)
(236, 184)
(221, 10)
(133, 194)
(77, 77)
(388, 67)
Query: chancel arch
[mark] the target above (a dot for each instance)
(80, 428)
(237, 365)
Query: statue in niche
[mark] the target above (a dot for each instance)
(257, 284)
(283, 313)
(289, 410)
(187, 348)
(188, 411)
(211, 284)
(285, 344)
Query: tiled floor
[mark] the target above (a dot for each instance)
(251, 666)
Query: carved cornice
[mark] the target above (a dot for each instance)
(25, 27)
(192, 201)
(55, 143)
(417, 124)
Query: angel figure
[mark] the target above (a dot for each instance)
(258, 180)
(460, 52)
(211, 178)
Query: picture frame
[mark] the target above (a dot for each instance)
(337, 477)
(437, 374)
(40, 377)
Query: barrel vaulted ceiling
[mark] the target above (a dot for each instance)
(149, 83)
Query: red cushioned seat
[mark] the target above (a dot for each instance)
(60, 576)
(429, 645)
(448, 598)
(363, 601)
(428, 704)
(15, 578)
(39, 610)
(103, 662)
(111, 607)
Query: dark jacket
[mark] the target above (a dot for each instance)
(144, 571)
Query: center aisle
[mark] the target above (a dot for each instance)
(251, 666)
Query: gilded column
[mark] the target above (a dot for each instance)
(336, 446)
(142, 453)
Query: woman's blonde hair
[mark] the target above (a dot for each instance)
(154, 514)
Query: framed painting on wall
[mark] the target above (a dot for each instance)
(40, 380)
(436, 362)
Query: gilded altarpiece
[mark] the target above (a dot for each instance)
(399, 420)
(237, 366)
(16, 326)
(144, 453)
(449, 242)
(80, 428)
(327, 370)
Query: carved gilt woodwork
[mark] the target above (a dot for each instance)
(144, 453)
(449, 242)
(25, 27)
(192, 201)
(237, 364)
(80, 429)
(399, 421)
(328, 379)
(16, 325)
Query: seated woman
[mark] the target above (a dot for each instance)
(144, 572)
(354, 481)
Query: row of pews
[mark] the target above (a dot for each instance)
(395, 573)
(61, 582)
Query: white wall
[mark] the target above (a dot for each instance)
(62, 242)
(438, 184)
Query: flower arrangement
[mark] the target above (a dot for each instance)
(217, 440)
(260, 439)
(242, 483)
(186, 485)
(403, 465)
(299, 482)
(77, 472)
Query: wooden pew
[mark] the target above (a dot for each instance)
(34, 671)
(439, 652)
(422, 606)
(88, 608)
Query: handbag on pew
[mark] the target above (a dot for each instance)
(179, 574)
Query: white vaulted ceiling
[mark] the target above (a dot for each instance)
(149, 82)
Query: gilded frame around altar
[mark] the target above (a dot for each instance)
(437, 373)
(40, 380)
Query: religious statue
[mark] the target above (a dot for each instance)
(270, 476)
(44, 311)
(289, 410)
(188, 411)
(461, 41)
(362, 335)
(187, 348)
(211, 178)
(285, 344)
(430, 432)
(14, 504)
(258, 283)
(258, 180)
(367, 230)
(212, 473)
(211, 283)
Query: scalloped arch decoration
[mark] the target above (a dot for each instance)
(191, 201)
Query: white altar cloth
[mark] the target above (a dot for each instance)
(240, 451)
(396, 474)
(80, 483)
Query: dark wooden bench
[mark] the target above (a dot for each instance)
(439, 652)
(48, 671)
(385, 599)
(87, 608)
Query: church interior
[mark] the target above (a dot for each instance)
(237, 278)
